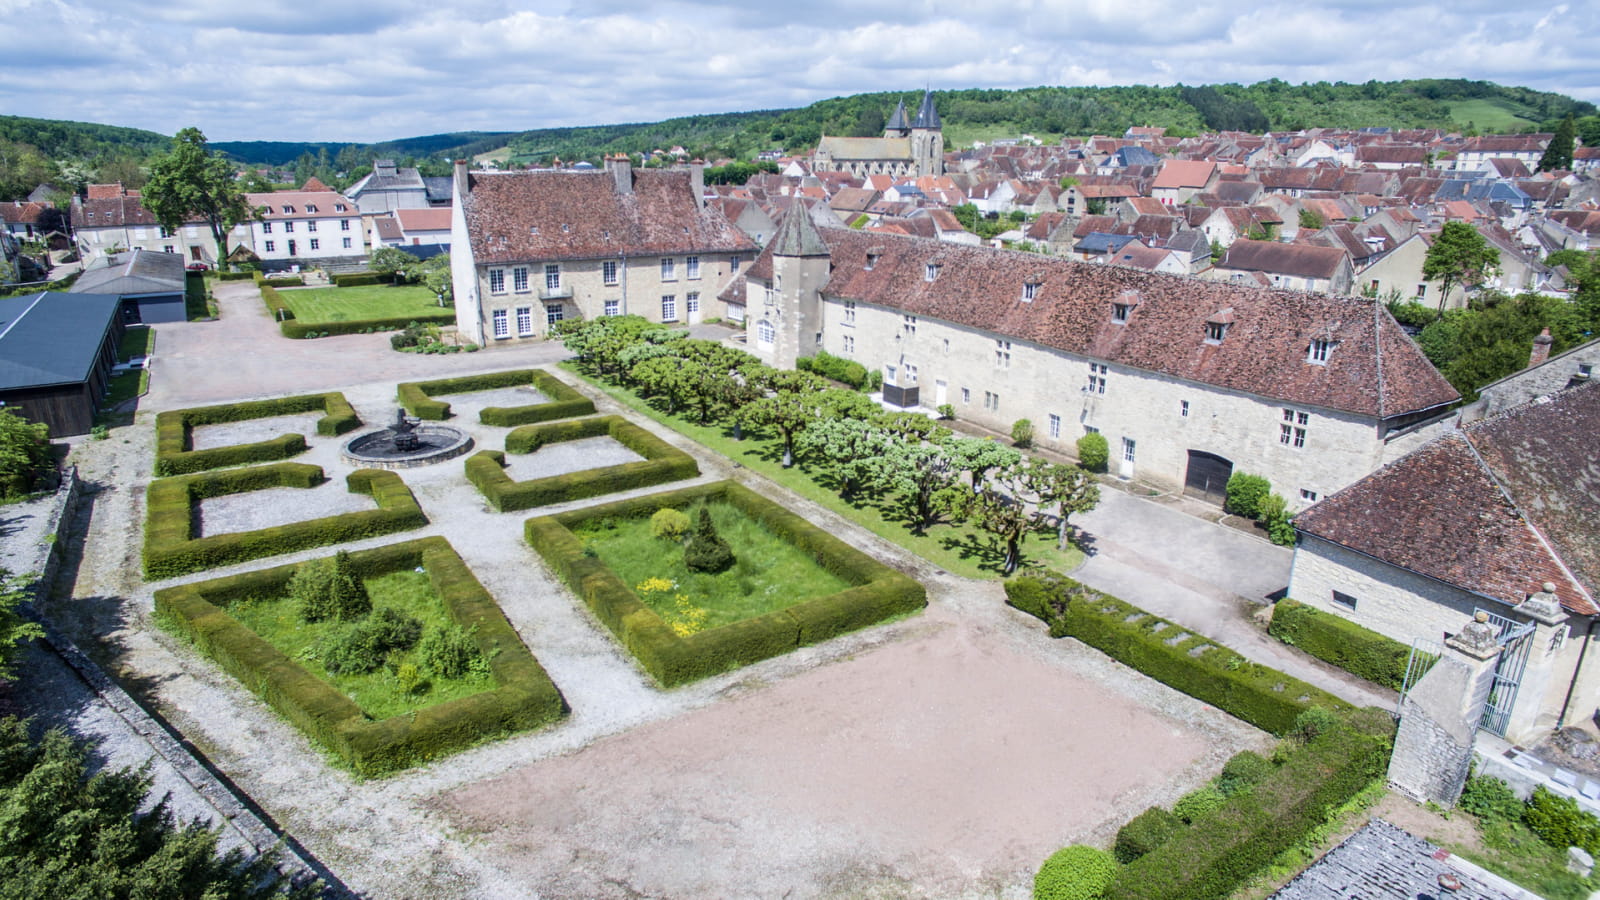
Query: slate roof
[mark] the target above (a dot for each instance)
(517, 216)
(141, 272)
(1383, 862)
(866, 148)
(52, 338)
(927, 116)
(1376, 369)
(1497, 509)
(438, 187)
(401, 180)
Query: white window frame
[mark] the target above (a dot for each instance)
(553, 313)
(1318, 354)
(691, 303)
(519, 279)
(613, 307)
(525, 321)
(266, 227)
(766, 335)
(669, 307)
(272, 246)
(311, 225)
(500, 324)
(316, 243)
(669, 271)
(608, 271)
(1002, 354)
(497, 281)
(930, 272)
(1129, 448)
(691, 268)
(1030, 290)
(1055, 425)
(849, 312)
(1119, 313)
(552, 276)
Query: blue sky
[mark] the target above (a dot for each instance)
(370, 70)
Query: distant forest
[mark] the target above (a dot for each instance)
(75, 152)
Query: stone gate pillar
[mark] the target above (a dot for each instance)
(1439, 717)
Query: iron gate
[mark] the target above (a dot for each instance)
(1516, 638)
(1424, 653)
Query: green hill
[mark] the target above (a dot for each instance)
(60, 139)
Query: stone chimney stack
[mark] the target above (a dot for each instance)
(697, 183)
(1541, 348)
(621, 170)
(459, 184)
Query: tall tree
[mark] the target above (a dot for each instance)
(1459, 257)
(192, 181)
(1558, 153)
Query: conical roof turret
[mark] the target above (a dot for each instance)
(927, 116)
(897, 122)
(797, 234)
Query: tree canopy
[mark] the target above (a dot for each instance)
(1558, 153)
(191, 181)
(1458, 257)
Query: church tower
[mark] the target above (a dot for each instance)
(789, 324)
(898, 127)
(927, 138)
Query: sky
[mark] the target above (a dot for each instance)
(372, 70)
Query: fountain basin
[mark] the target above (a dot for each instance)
(435, 443)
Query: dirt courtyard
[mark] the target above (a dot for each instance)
(946, 764)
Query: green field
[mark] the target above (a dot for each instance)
(276, 620)
(1490, 114)
(768, 572)
(961, 549)
(357, 304)
(138, 340)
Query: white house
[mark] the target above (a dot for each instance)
(305, 226)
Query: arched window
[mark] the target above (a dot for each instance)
(765, 333)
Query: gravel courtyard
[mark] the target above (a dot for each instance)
(940, 755)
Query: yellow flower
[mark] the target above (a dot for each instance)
(654, 585)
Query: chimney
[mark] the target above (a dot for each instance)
(460, 183)
(697, 183)
(1541, 348)
(621, 172)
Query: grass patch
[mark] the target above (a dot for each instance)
(1514, 852)
(126, 386)
(960, 549)
(137, 340)
(769, 573)
(276, 620)
(1491, 114)
(313, 306)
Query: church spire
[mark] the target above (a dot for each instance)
(927, 116)
(897, 126)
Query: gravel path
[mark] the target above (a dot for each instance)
(250, 431)
(473, 401)
(569, 456)
(232, 513)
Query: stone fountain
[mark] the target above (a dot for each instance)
(406, 444)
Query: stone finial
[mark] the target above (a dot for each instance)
(1543, 605)
(1478, 639)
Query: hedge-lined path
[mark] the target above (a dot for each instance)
(1205, 577)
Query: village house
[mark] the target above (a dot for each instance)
(1301, 267)
(1181, 179)
(530, 249)
(307, 226)
(1189, 380)
(390, 187)
(111, 219)
(1476, 154)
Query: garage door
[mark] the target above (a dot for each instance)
(1207, 478)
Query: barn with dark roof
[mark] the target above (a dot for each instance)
(56, 355)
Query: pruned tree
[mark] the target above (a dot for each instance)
(853, 451)
(1066, 489)
(786, 412)
(1458, 257)
(192, 182)
(926, 481)
(980, 456)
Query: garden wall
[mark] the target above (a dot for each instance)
(662, 463)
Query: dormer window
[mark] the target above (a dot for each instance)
(565, 228)
(1319, 351)
(1119, 313)
(872, 261)
(311, 207)
(533, 229)
(1030, 291)
(288, 209)
(1215, 332)
(931, 272)
(338, 207)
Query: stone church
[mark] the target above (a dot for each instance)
(908, 148)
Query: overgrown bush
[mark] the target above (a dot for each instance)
(946, 411)
(1243, 771)
(707, 551)
(669, 524)
(1559, 822)
(1245, 494)
(1022, 432)
(365, 645)
(1198, 802)
(24, 454)
(1143, 833)
(1491, 800)
(1074, 873)
(1313, 722)
(329, 589)
(1093, 451)
(1275, 519)
(448, 652)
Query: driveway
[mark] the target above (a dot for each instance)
(1204, 576)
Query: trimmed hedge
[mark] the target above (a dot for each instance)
(358, 279)
(1212, 857)
(283, 281)
(662, 463)
(194, 296)
(235, 276)
(563, 402)
(877, 593)
(1074, 873)
(172, 549)
(298, 330)
(1144, 833)
(524, 698)
(1262, 696)
(276, 308)
(1337, 640)
(175, 429)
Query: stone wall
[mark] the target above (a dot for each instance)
(1438, 720)
(1540, 381)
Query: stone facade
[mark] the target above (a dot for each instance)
(1542, 380)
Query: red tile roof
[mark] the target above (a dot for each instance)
(276, 205)
(1497, 509)
(1184, 173)
(1303, 260)
(424, 219)
(1376, 370)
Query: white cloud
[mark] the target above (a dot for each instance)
(368, 70)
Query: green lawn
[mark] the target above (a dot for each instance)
(1512, 851)
(277, 621)
(137, 340)
(768, 574)
(1489, 115)
(356, 304)
(961, 549)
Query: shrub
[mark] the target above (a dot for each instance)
(1337, 640)
(1144, 833)
(448, 652)
(1491, 800)
(400, 340)
(1559, 822)
(1022, 432)
(365, 645)
(24, 454)
(356, 279)
(1245, 493)
(1276, 519)
(837, 368)
(707, 551)
(311, 589)
(669, 524)
(1074, 873)
(1197, 803)
(1093, 451)
(946, 411)
(1313, 722)
(1243, 771)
